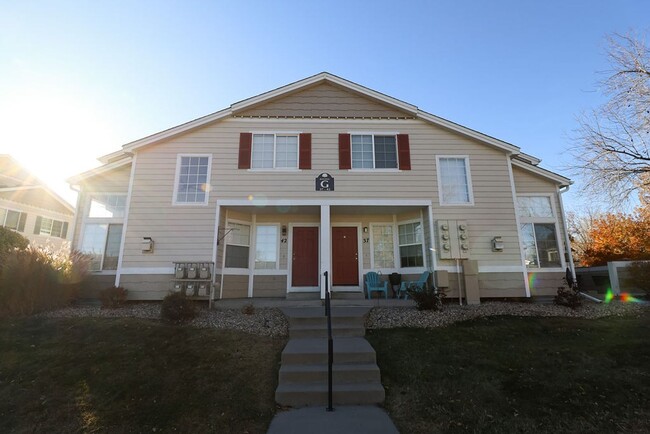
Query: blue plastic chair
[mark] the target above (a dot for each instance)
(374, 284)
(419, 285)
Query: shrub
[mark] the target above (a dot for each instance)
(248, 309)
(639, 276)
(568, 295)
(177, 308)
(427, 298)
(113, 297)
(9, 241)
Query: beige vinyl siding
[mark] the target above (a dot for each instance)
(270, 286)
(324, 100)
(235, 286)
(545, 284)
(146, 287)
(527, 183)
(186, 232)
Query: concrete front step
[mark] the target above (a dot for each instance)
(338, 331)
(299, 395)
(314, 351)
(342, 373)
(317, 312)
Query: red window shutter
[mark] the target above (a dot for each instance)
(345, 157)
(245, 145)
(404, 151)
(305, 151)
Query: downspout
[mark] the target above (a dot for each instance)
(567, 242)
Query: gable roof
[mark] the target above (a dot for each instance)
(323, 77)
(15, 179)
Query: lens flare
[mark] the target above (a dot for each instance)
(627, 298)
(609, 295)
(532, 279)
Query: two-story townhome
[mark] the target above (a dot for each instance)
(31, 208)
(321, 175)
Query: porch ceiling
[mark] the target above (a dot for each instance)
(315, 210)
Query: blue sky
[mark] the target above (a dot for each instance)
(78, 79)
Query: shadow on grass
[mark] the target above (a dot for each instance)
(511, 374)
(127, 375)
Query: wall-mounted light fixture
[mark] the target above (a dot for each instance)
(284, 230)
(147, 245)
(365, 229)
(497, 244)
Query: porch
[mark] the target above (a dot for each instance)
(281, 249)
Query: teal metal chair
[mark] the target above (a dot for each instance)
(419, 285)
(374, 284)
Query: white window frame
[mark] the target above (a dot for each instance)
(468, 173)
(275, 143)
(543, 220)
(20, 213)
(86, 220)
(399, 255)
(250, 245)
(277, 249)
(177, 176)
(372, 247)
(373, 134)
(40, 229)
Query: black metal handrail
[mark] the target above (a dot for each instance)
(330, 343)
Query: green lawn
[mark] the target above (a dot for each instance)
(127, 375)
(510, 374)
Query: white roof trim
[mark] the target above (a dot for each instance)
(468, 132)
(318, 78)
(309, 81)
(19, 188)
(542, 172)
(98, 170)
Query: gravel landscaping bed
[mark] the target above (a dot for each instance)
(263, 321)
(382, 317)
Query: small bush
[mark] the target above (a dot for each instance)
(248, 309)
(177, 308)
(639, 276)
(113, 297)
(427, 298)
(9, 241)
(568, 295)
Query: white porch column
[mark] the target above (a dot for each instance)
(325, 251)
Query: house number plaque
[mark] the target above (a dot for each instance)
(324, 182)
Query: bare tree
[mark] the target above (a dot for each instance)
(612, 149)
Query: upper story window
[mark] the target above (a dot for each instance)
(192, 179)
(107, 206)
(538, 232)
(373, 151)
(454, 180)
(13, 219)
(51, 227)
(275, 151)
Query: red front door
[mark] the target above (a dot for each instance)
(304, 261)
(345, 257)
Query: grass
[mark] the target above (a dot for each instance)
(511, 374)
(128, 375)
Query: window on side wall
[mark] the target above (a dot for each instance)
(275, 151)
(192, 179)
(237, 245)
(51, 227)
(101, 236)
(13, 219)
(372, 151)
(411, 245)
(266, 247)
(383, 251)
(538, 232)
(454, 180)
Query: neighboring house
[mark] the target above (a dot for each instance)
(29, 207)
(322, 175)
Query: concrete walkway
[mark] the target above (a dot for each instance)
(343, 420)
